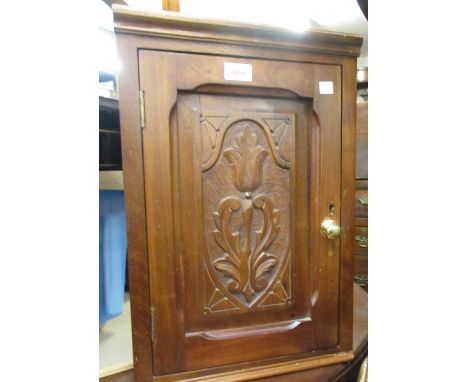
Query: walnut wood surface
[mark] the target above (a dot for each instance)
(225, 190)
(322, 374)
(348, 158)
(132, 156)
(229, 210)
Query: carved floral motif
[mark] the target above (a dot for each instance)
(245, 159)
(246, 264)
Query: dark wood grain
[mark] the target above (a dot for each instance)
(226, 187)
(327, 255)
(132, 156)
(273, 307)
(348, 142)
(336, 372)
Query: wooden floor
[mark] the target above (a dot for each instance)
(346, 372)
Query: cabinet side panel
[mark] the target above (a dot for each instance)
(157, 80)
(348, 155)
(132, 156)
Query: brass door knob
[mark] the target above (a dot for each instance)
(330, 228)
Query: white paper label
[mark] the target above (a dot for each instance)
(326, 87)
(237, 72)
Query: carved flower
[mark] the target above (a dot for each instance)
(245, 160)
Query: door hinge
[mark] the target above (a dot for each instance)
(153, 323)
(142, 109)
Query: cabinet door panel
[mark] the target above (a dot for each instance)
(238, 177)
(240, 287)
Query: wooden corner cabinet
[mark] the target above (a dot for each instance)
(239, 172)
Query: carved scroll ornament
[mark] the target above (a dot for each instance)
(246, 264)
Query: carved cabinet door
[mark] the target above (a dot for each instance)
(241, 163)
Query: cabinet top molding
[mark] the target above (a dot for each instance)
(171, 25)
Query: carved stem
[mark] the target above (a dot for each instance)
(247, 212)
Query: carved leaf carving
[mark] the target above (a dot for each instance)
(270, 227)
(228, 241)
(246, 266)
(264, 263)
(228, 268)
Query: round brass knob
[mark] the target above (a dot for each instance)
(330, 228)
